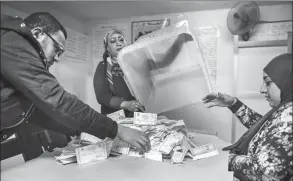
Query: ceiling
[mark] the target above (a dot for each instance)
(100, 10)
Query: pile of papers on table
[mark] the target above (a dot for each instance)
(169, 142)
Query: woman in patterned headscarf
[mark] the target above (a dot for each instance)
(264, 152)
(109, 84)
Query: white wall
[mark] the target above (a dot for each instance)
(198, 117)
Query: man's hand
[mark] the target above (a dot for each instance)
(135, 138)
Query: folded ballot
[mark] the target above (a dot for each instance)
(144, 118)
(204, 151)
(116, 116)
(91, 153)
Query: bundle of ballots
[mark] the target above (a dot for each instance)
(169, 142)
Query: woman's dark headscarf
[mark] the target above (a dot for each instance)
(279, 69)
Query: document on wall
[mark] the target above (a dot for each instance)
(76, 47)
(271, 31)
(208, 42)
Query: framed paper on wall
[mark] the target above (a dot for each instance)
(140, 28)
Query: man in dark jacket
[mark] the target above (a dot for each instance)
(28, 89)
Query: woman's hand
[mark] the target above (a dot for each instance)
(132, 106)
(219, 100)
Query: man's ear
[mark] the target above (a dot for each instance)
(37, 32)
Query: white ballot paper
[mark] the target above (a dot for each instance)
(179, 126)
(64, 156)
(145, 118)
(204, 151)
(68, 154)
(120, 146)
(154, 155)
(179, 155)
(66, 161)
(125, 121)
(177, 148)
(133, 126)
(89, 139)
(134, 153)
(116, 116)
(170, 142)
(157, 135)
(91, 153)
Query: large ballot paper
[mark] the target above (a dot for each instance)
(91, 153)
(164, 70)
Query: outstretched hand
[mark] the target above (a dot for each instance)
(218, 100)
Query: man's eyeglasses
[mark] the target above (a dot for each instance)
(57, 47)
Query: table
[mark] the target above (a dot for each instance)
(125, 168)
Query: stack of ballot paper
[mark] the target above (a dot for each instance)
(204, 151)
(89, 149)
(94, 152)
(168, 138)
(68, 154)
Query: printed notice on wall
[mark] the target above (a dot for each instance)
(208, 40)
(271, 31)
(76, 47)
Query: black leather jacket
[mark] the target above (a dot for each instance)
(25, 80)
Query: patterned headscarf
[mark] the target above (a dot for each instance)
(112, 67)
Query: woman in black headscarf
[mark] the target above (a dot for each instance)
(264, 152)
